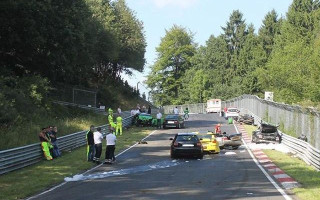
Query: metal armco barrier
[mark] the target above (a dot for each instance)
(20, 157)
(302, 149)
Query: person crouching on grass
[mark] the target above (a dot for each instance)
(97, 137)
(111, 146)
(45, 143)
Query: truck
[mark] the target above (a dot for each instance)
(214, 106)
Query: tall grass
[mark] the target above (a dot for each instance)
(67, 119)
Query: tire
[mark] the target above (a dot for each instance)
(234, 148)
(200, 157)
(172, 155)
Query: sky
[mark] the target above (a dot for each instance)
(201, 17)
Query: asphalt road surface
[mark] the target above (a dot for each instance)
(146, 171)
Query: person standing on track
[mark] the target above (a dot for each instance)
(119, 125)
(176, 111)
(218, 129)
(111, 146)
(159, 116)
(186, 114)
(97, 137)
(90, 144)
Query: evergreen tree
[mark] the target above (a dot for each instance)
(269, 30)
(174, 54)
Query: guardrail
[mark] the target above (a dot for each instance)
(13, 159)
(302, 149)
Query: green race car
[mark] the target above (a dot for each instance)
(144, 120)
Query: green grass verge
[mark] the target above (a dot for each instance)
(67, 119)
(306, 175)
(249, 129)
(45, 174)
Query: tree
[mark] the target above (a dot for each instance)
(269, 30)
(174, 54)
(291, 69)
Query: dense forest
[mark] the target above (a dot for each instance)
(282, 56)
(44, 44)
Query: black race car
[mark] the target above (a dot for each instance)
(186, 144)
(266, 133)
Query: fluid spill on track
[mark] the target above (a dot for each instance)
(137, 169)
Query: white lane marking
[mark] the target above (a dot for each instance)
(230, 153)
(63, 183)
(282, 192)
(277, 176)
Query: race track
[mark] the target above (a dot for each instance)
(146, 171)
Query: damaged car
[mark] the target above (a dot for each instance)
(266, 133)
(246, 119)
(229, 141)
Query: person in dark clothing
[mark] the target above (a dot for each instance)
(149, 110)
(53, 136)
(90, 144)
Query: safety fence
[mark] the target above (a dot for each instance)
(300, 148)
(193, 108)
(124, 114)
(13, 159)
(294, 120)
(94, 109)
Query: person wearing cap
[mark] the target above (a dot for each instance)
(90, 144)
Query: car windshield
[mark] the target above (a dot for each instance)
(172, 117)
(144, 115)
(192, 138)
(206, 136)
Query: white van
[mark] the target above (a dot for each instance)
(214, 106)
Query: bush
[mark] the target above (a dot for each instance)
(21, 97)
